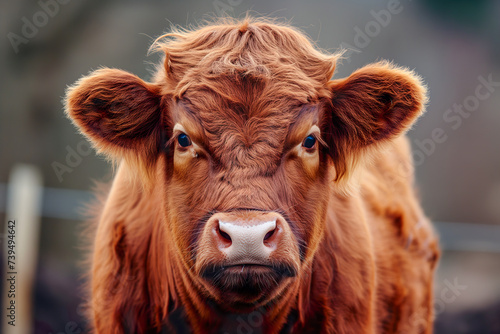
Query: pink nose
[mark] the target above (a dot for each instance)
(247, 240)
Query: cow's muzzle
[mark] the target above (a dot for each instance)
(247, 250)
(247, 241)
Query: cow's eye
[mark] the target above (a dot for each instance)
(183, 140)
(309, 142)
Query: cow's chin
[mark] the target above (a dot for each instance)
(244, 287)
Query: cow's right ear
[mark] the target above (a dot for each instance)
(375, 104)
(119, 112)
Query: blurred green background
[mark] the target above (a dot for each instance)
(453, 45)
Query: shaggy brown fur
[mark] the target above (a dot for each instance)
(362, 253)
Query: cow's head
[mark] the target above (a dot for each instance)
(245, 137)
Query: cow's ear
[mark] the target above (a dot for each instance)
(376, 103)
(119, 112)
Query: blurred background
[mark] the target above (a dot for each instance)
(47, 169)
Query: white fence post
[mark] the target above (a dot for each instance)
(20, 245)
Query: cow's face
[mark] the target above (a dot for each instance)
(248, 183)
(245, 148)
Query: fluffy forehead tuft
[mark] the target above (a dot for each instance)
(250, 47)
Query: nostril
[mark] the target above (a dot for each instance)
(269, 234)
(221, 237)
(224, 235)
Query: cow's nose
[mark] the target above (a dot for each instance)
(247, 241)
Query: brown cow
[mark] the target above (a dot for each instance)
(254, 194)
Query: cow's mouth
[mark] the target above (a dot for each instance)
(247, 281)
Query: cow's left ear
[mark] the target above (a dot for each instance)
(120, 113)
(376, 103)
